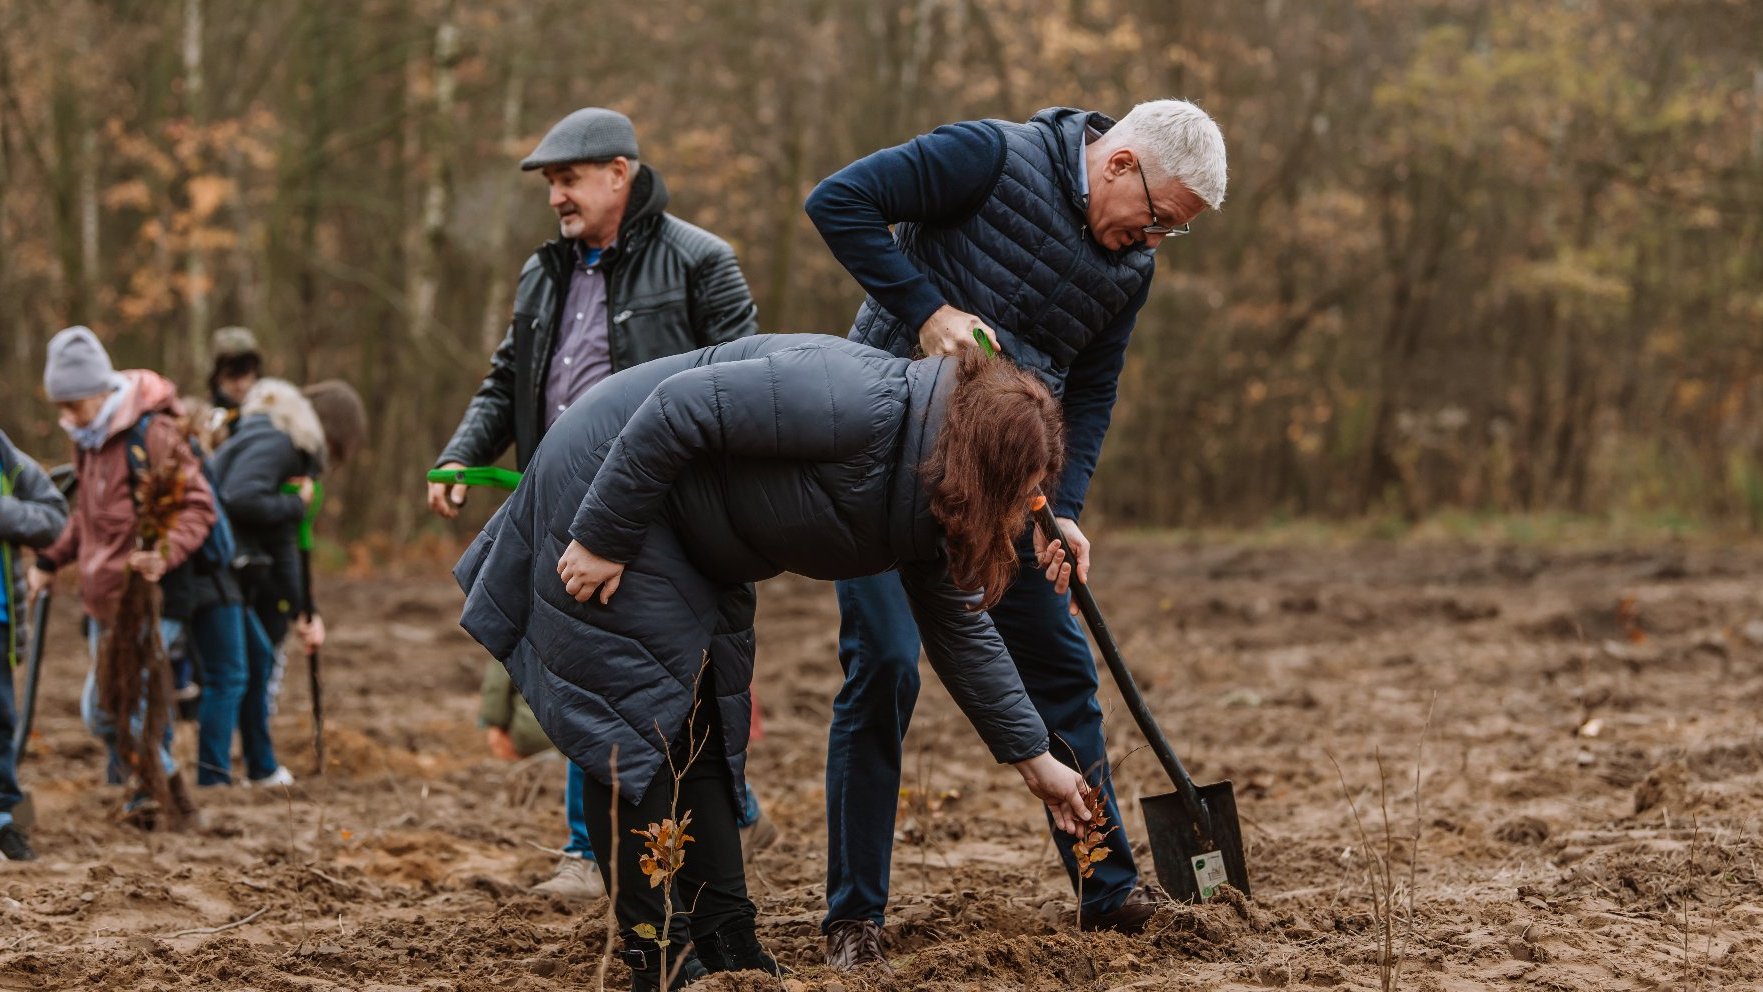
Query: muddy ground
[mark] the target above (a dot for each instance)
(1588, 799)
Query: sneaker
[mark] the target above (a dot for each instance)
(758, 836)
(281, 776)
(576, 879)
(14, 846)
(854, 944)
(1130, 916)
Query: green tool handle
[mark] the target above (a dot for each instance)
(985, 343)
(479, 475)
(311, 510)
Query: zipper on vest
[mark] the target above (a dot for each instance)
(622, 316)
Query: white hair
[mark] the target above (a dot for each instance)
(1174, 139)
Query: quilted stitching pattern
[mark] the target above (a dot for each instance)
(1023, 262)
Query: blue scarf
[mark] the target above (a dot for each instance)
(92, 436)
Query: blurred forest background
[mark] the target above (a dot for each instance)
(1497, 255)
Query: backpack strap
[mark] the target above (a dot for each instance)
(135, 445)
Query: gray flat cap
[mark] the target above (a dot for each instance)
(591, 134)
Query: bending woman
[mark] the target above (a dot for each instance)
(667, 489)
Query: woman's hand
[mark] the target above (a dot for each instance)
(149, 564)
(36, 581)
(1056, 557)
(311, 631)
(1060, 787)
(584, 572)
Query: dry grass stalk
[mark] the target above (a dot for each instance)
(666, 840)
(1381, 861)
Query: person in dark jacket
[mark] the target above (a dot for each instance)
(1043, 237)
(676, 480)
(32, 514)
(238, 364)
(277, 441)
(204, 598)
(623, 283)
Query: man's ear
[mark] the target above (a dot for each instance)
(1120, 162)
(621, 172)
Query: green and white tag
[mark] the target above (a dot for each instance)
(1209, 872)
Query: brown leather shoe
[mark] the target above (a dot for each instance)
(1130, 916)
(854, 944)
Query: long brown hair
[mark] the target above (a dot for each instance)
(1001, 428)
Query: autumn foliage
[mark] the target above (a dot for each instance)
(1482, 255)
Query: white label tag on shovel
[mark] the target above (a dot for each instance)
(1209, 873)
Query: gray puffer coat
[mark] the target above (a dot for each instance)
(702, 472)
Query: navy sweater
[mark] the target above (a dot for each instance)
(941, 178)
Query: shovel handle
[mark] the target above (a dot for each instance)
(1129, 689)
(33, 676)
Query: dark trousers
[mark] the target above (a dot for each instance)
(10, 794)
(218, 636)
(265, 627)
(878, 649)
(710, 889)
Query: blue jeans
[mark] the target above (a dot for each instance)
(878, 649)
(103, 725)
(217, 639)
(576, 812)
(10, 794)
(256, 703)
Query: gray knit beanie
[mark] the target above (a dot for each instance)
(231, 341)
(78, 366)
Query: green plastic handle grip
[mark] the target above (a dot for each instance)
(311, 510)
(478, 475)
(985, 343)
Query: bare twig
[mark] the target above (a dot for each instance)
(220, 929)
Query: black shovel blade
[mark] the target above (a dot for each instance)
(1194, 856)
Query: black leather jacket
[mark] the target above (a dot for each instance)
(671, 287)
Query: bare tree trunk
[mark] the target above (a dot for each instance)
(88, 171)
(433, 146)
(195, 267)
(10, 321)
(495, 320)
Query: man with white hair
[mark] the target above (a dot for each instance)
(1042, 236)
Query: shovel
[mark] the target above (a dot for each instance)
(1196, 839)
(25, 812)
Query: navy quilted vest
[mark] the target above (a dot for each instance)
(1023, 261)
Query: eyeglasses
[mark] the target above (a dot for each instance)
(1156, 226)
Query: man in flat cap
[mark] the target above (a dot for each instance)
(625, 282)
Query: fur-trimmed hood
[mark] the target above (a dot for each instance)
(289, 412)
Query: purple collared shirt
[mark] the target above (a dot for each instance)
(582, 354)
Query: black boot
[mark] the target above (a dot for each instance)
(643, 958)
(736, 948)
